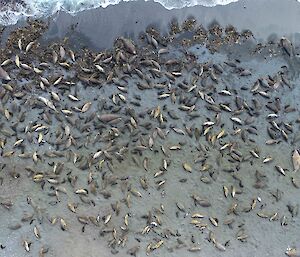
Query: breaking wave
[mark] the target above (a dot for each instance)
(13, 10)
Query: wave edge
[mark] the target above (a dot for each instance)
(10, 15)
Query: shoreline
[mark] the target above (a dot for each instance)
(131, 18)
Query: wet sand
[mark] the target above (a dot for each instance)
(264, 18)
(153, 185)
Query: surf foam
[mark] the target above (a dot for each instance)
(11, 13)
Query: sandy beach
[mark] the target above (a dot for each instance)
(139, 131)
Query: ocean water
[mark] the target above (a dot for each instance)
(11, 12)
